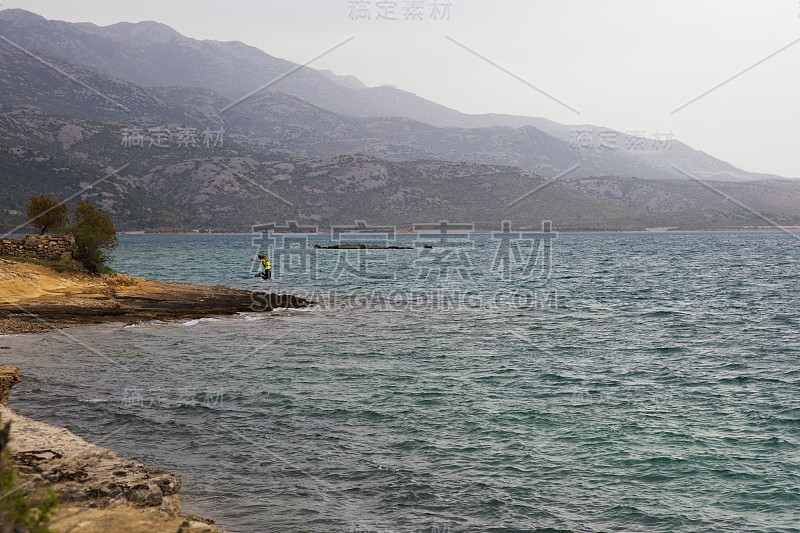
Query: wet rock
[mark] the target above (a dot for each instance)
(9, 376)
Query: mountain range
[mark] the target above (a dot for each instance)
(80, 100)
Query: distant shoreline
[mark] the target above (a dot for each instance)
(666, 229)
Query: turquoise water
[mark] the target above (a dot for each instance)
(642, 382)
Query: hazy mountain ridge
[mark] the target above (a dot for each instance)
(277, 120)
(151, 54)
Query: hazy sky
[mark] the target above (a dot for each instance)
(624, 64)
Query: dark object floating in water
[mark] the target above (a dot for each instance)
(363, 247)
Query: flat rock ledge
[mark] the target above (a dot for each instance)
(136, 301)
(99, 491)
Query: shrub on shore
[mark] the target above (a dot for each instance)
(95, 235)
(46, 214)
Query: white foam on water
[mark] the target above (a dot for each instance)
(250, 317)
(294, 309)
(199, 320)
(148, 324)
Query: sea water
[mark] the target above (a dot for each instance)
(611, 382)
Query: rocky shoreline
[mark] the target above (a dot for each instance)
(35, 298)
(98, 490)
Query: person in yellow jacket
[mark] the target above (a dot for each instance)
(267, 274)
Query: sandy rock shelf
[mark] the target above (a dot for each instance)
(35, 298)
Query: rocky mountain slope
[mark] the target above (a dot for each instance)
(231, 187)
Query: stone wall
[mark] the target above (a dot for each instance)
(52, 247)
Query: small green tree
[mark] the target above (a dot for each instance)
(46, 214)
(17, 512)
(94, 234)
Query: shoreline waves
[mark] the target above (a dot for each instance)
(98, 490)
